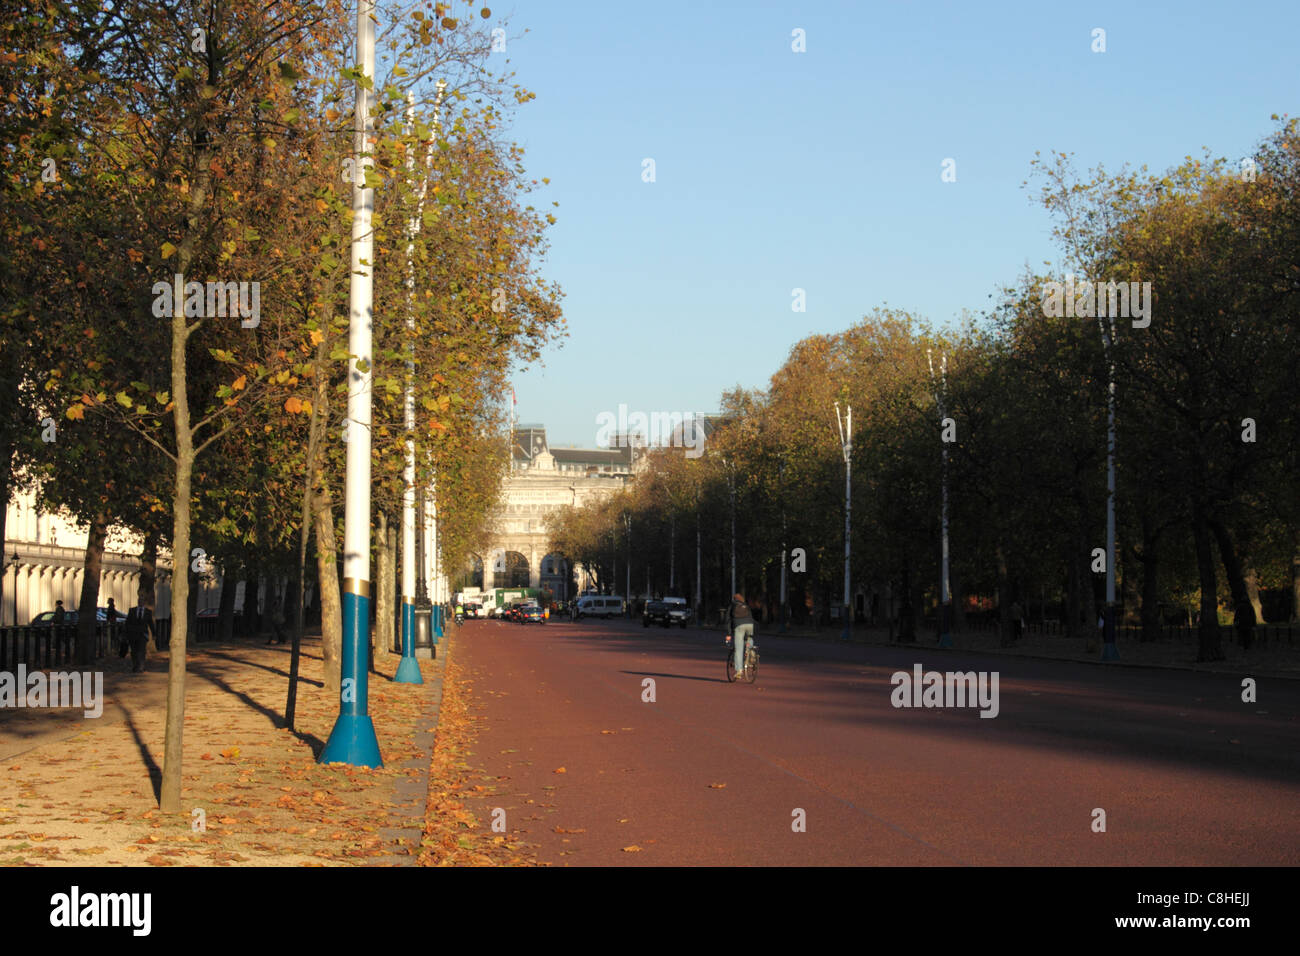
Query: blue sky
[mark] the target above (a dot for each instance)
(821, 170)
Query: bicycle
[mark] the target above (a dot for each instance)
(750, 673)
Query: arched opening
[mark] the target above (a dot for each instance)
(510, 570)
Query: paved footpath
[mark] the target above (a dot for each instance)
(712, 773)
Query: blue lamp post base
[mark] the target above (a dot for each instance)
(408, 671)
(353, 741)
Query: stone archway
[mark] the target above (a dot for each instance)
(509, 570)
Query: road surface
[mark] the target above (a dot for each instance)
(712, 773)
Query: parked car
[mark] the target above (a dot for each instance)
(46, 618)
(101, 615)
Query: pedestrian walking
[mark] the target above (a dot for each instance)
(277, 624)
(139, 628)
(59, 615)
(112, 614)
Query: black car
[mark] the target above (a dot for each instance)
(657, 612)
(46, 618)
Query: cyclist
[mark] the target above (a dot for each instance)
(740, 627)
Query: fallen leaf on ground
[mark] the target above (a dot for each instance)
(632, 849)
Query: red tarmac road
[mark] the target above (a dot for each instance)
(712, 773)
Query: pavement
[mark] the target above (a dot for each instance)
(813, 765)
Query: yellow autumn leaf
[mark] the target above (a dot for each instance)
(76, 412)
(316, 336)
(239, 382)
(293, 405)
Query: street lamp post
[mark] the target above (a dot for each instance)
(781, 495)
(1109, 652)
(353, 741)
(846, 446)
(699, 599)
(940, 399)
(731, 487)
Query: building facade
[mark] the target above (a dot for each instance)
(543, 480)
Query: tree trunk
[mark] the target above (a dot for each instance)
(6, 486)
(147, 590)
(1150, 587)
(1250, 574)
(252, 617)
(192, 602)
(170, 801)
(331, 615)
(1003, 596)
(1210, 649)
(1295, 583)
(88, 605)
(1243, 609)
(958, 601)
(390, 548)
(381, 636)
(907, 612)
(226, 609)
(1073, 595)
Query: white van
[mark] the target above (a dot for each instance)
(604, 606)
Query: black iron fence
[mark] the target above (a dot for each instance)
(1265, 634)
(49, 646)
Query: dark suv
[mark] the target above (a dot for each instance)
(657, 612)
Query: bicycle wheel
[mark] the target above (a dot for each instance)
(751, 665)
(731, 666)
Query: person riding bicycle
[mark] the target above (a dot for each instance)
(740, 627)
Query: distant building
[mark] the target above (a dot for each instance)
(44, 554)
(541, 481)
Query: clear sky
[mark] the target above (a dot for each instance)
(776, 170)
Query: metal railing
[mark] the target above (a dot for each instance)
(49, 646)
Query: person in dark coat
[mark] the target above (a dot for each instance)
(139, 628)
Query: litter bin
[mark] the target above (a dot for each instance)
(424, 642)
